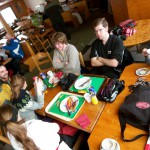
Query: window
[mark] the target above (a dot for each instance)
(8, 12)
(1, 26)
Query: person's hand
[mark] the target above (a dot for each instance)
(144, 52)
(38, 85)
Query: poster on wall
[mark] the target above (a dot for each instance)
(18, 6)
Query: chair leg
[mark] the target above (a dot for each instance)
(78, 142)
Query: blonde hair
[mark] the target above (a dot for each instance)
(59, 37)
(15, 127)
(17, 83)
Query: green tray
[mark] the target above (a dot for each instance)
(97, 82)
(53, 107)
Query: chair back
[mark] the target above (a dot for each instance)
(46, 45)
(81, 59)
(35, 43)
(39, 58)
(68, 17)
(3, 138)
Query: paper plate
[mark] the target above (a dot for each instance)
(142, 71)
(64, 103)
(115, 143)
(78, 84)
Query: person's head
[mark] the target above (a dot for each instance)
(8, 36)
(59, 40)
(18, 82)
(101, 28)
(9, 120)
(3, 73)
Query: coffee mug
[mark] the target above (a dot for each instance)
(107, 144)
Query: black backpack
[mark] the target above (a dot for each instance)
(136, 111)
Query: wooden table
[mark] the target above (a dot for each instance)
(108, 125)
(92, 111)
(141, 35)
(6, 61)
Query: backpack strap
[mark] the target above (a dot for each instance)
(123, 126)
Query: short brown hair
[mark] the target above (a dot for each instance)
(102, 21)
(59, 37)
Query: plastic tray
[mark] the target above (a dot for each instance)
(54, 109)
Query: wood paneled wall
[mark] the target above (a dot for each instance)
(130, 9)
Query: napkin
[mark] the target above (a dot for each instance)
(83, 121)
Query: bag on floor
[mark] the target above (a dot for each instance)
(111, 90)
(136, 111)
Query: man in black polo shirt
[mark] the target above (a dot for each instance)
(106, 51)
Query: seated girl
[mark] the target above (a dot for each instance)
(23, 100)
(30, 135)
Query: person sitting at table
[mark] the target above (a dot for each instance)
(32, 134)
(5, 89)
(16, 53)
(23, 100)
(53, 11)
(74, 11)
(66, 56)
(106, 51)
(144, 51)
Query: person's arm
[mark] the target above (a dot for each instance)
(57, 63)
(73, 57)
(99, 61)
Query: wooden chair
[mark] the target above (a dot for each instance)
(35, 44)
(68, 17)
(39, 58)
(46, 45)
(4, 139)
(78, 142)
(81, 59)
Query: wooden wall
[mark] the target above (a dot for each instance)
(130, 9)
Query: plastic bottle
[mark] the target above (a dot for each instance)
(46, 80)
(94, 99)
(44, 86)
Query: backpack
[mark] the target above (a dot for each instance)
(111, 90)
(136, 111)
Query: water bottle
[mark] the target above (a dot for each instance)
(46, 80)
(44, 86)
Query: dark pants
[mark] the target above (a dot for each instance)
(14, 64)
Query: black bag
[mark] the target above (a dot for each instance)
(67, 81)
(127, 58)
(136, 111)
(111, 90)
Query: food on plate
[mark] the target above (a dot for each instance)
(71, 104)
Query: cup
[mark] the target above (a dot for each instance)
(107, 144)
(94, 99)
(50, 74)
(87, 97)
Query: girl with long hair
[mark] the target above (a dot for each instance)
(23, 100)
(30, 135)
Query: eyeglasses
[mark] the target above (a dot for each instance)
(99, 30)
